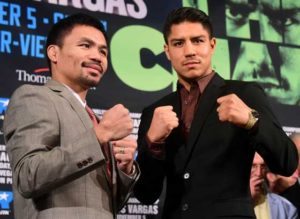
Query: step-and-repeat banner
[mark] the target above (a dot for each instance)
(257, 40)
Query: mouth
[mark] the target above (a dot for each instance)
(96, 68)
(191, 63)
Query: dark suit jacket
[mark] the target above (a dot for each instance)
(208, 177)
(56, 159)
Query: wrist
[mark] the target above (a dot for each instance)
(152, 139)
(132, 170)
(129, 169)
(102, 137)
(252, 120)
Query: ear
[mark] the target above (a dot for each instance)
(52, 52)
(166, 48)
(213, 43)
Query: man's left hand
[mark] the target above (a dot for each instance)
(232, 109)
(124, 152)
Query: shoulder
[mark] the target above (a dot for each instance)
(28, 90)
(279, 199)
(28, 96)
(242, 86)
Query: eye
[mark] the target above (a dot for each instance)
(103, 52)
(178, 43)
(197, 41)
(85, 45)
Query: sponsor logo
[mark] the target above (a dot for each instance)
(39, 76)
(136, 9)
(6, 197)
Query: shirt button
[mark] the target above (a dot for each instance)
(186, 176)
(185, 207)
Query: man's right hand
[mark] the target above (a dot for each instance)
(115, 124)
(164, 120)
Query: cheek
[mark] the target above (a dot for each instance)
(105, 63)
(74, 61)
(206, 52)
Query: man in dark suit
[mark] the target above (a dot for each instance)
(202, 138)
(65, 163)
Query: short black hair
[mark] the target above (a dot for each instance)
(189, 14)
(63, 27)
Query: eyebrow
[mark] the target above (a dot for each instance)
(182, 39)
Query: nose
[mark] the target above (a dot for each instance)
(189, 49)
(95, 55)
(259, 172)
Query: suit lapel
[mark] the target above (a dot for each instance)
(176, 105)
(207, 103)
(64, 92)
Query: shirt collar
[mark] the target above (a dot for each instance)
(83, 103)
(202, 82)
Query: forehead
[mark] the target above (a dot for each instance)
(85, 32)
(187, 29)
(257, 159)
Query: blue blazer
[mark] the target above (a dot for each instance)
(281, 208)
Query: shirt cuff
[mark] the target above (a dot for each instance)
(133, 173)
(157, 149)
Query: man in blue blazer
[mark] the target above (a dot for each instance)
(202, 137)
(267, 205)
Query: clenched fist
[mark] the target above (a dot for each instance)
(164, 120)
(114, 125)
(232, 109)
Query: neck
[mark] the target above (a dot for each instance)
(187, 82)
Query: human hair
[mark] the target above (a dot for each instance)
(189, 14)
(63, 27)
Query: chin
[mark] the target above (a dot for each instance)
(90, 83)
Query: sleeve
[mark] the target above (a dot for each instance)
(269, 140)
(150, 184)
(126, 184)
(33, 137)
